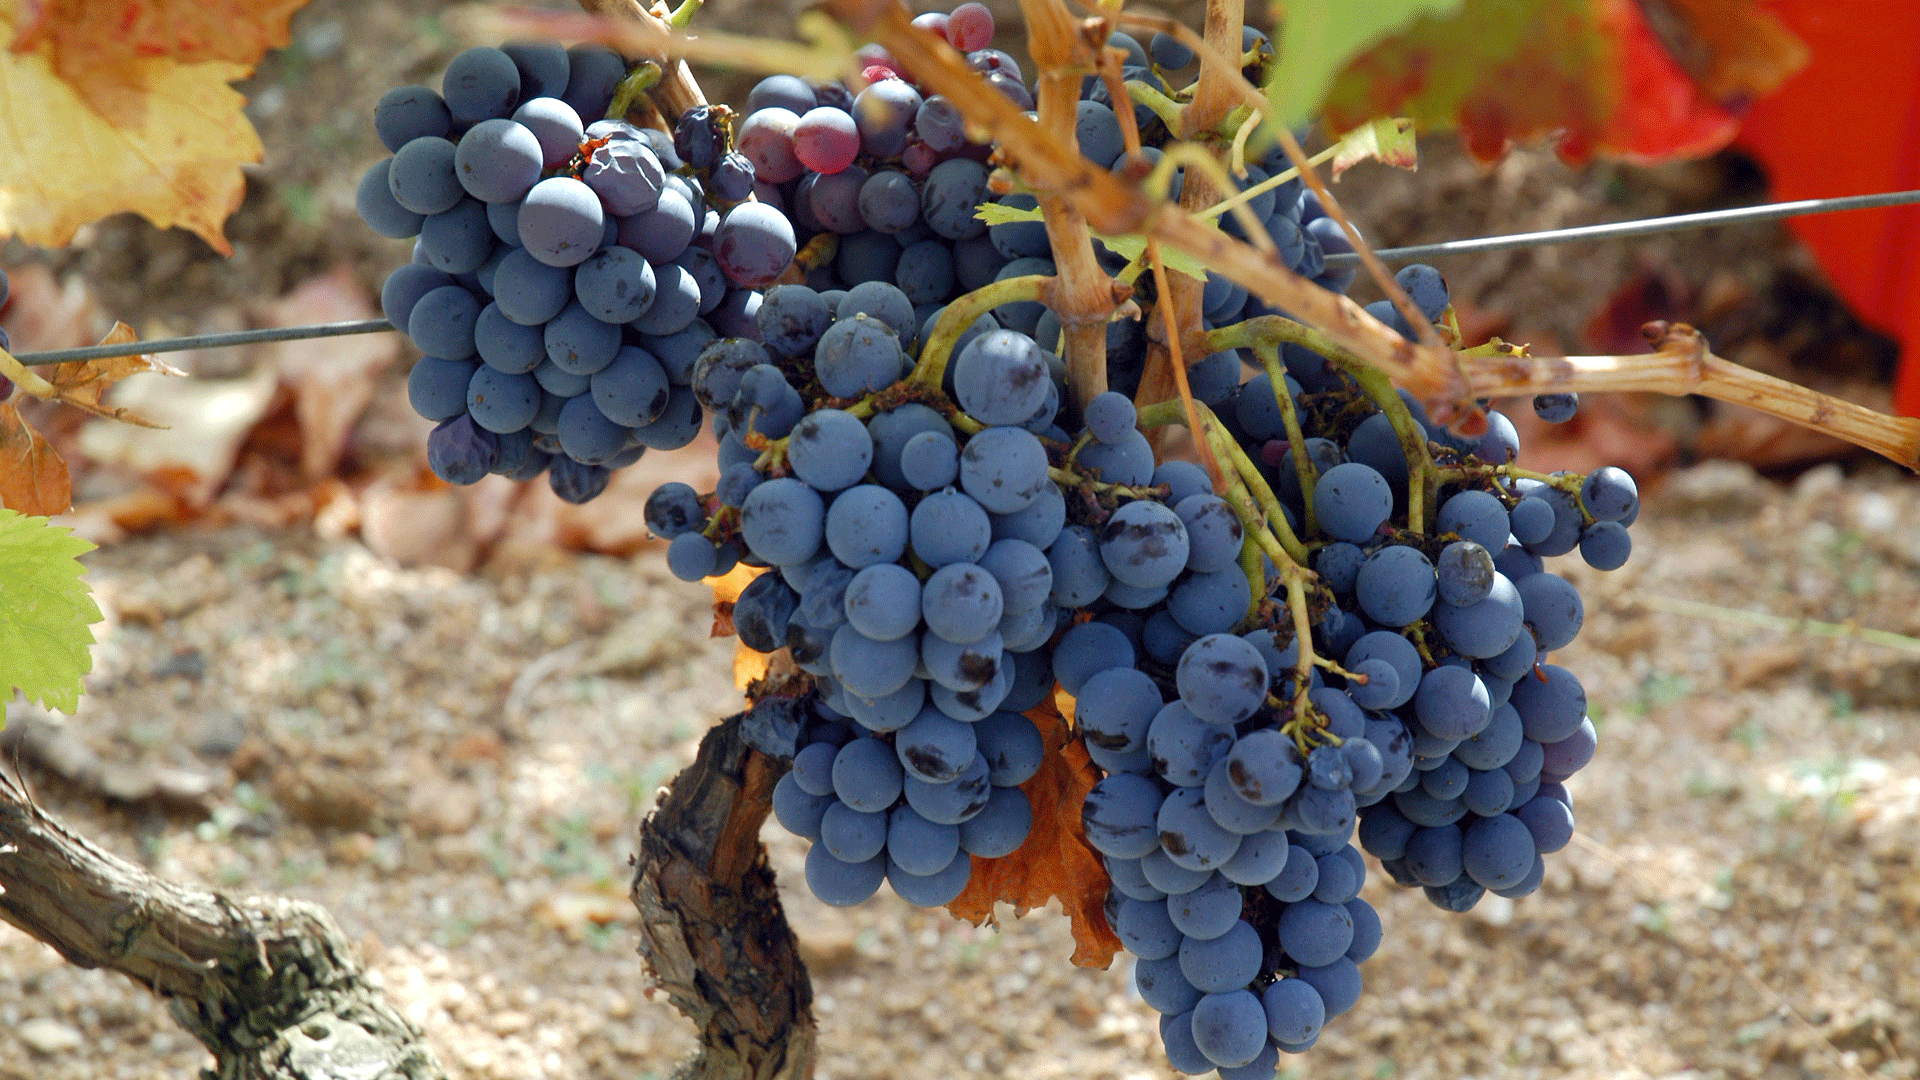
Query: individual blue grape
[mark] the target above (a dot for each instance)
(755, 244)
(1396, 586)
(587, 435)
(830, 449)
(421, 176)
(798, 811)
(1484, 629)
(1024, 575)
(1531, 520)
(1011, 746)
(857, 354)
(692, 557)
(407, 113)
(1120, 815)
(441, 322)
(1001, 826)
(1475, 516)
(917, 845)
(867, 775)
(498, 161)
(935, 748)
(760, 618)
(866, 525)
(437, 389)
(1553, 609)
(1565, 534)
(1079, 575)
(528, 291)
(677, 425)
(1264, 768)
(1116, 708)
(1087, 649)
(948, 198)
(1144, 544)
(1222, 678)
(1128, 461)
(480, 84)
(404, 288)
(792, 319)
(1210, 603)
(580, 344)
(458, 241)
(954, 801)
(1427, 289)
(1226, 963)
(632, 390)
(672, 509)
(1005, 470)
(1452, 703)
(460, 451)
(1109, 416)
(1184, 749)
(1188, 832)
(961, 603)
(1556, 408)
(948, 527)
(1497, 852)
(839, 883)
(883, 112)
(1230, 1028)
(1609, 494)
(502, 403)
(783, 522)
(1144, 929)
(1352, 501)
(1465, 573)
(932, 890)
(1001, 377)
(870, 668)
(888, 202)
(930, 461)
(505, 345)
(1606, 545)
(851, 835)
(882, 301)
(561, 221)
(379, 209)
(615, 285)
(1214, 533)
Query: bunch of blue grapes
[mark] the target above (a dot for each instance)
(568, 269)
(940, 556)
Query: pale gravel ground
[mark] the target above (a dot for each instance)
(1748, 831)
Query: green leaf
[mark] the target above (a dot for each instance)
(45, 613)
(1318, 39)
(994, 213)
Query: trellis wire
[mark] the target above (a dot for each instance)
(1614, 230)
(1643, 227)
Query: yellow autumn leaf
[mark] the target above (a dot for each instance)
(169, 147)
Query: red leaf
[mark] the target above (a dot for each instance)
(1592, 73)
(1056, 861)
(33, 479)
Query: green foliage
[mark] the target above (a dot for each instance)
(45, 612)
(1320, 37)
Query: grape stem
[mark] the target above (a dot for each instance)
(1179, 154)
(1075, 479)
(1270, 331)
(682, 16)
(1177, 363)
(1167, 109)
(1683, 363)
(1303, 466)
(931, 370)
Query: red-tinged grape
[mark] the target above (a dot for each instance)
(826, 140)
(970, 27)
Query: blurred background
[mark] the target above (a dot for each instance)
(439, 711)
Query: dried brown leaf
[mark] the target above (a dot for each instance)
(1056, 861)
(83, 384)
(33, 478)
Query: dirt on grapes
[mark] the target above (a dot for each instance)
(454, 766)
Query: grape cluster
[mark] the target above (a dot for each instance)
(948, 538)
(568, 270)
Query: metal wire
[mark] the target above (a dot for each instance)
(1643, 227)
(208, 341)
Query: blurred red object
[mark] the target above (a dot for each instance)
(1849, 124)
